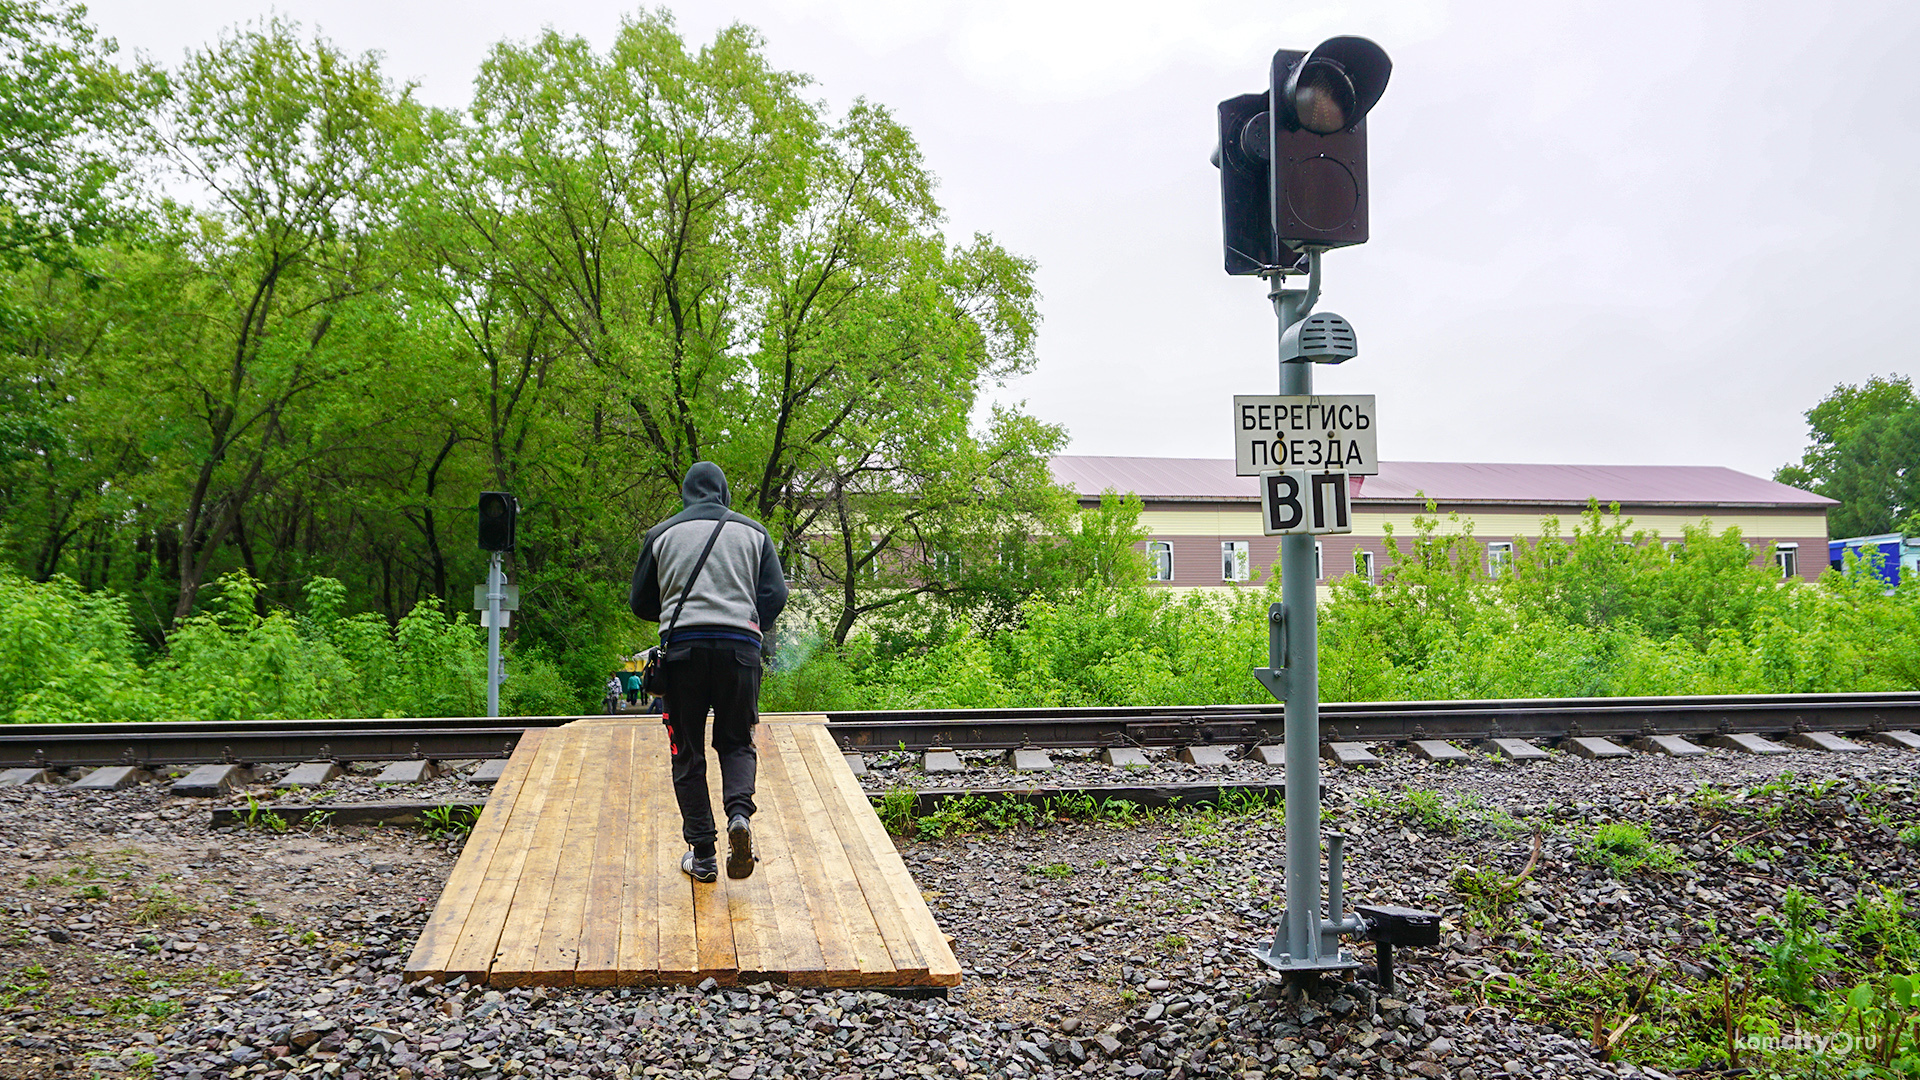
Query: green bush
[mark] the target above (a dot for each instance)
(1602, 612)
(69, 656)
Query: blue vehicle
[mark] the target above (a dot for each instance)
(1899, 555)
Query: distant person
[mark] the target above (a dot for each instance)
(711, 577)
(612, 702)
(633, 687)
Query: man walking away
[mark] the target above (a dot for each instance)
(712, 634)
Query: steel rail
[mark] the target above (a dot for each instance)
(447, 738)
(1517, 718)
(199, 742)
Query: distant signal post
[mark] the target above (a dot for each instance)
(499, 511)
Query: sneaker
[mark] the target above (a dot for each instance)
(699, 869)
(740, 858)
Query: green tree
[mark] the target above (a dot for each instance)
(268, 324)
(734, 275)
(1863, 450)
(66, 116)
(65, 111)
(317, 319)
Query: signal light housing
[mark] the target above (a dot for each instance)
(1246, 221)
(498, 509)
(1308, 190)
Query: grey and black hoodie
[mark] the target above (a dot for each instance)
(740, 591)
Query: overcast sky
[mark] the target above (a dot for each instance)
(1606, 233)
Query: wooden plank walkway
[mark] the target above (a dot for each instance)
(572, 874)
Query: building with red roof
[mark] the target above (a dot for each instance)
(1203, 522)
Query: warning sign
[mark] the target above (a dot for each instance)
(1311, 432)
(1298, 501)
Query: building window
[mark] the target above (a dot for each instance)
(1787, 557)
(1364, 559)
(1159, 560)
(1319, 562)
(1236, 560)
(946, 566)
(1499, 554)
(1013, 558)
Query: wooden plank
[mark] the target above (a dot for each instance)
(942, 967)
(790, 929)
(473, 955)
(830, 860)
(557, 951)
(825, 763)
(602, 918)
(756, 932)
(433, 953)
(798, 870)
(526, 917)
(712, 918)
(639, 898)
(679, 953)
(743, 931)
(794, 718)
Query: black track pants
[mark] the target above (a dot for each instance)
(723, 677)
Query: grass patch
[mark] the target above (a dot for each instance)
(1817, 992)
(1438, 814)
(28, 982)
(138, 1008)
(983, 813)
(1487, 894)
(446, 821)
(1624, 849)
(262, 818)
(158, 907)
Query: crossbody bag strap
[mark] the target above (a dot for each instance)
(693, 577)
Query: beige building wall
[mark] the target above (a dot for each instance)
(1196, 533)
(1231, 523)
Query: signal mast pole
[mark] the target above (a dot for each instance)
(1299, 599)
(496, 593)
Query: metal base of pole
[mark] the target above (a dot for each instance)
(1287, 964)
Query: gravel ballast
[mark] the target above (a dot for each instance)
(138, 943)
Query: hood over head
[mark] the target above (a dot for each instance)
(705, 483)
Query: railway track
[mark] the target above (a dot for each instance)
(1380, 722)
(155, 745)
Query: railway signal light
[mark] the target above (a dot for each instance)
(497, 512)
(1246, 213)
(1293, 161)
